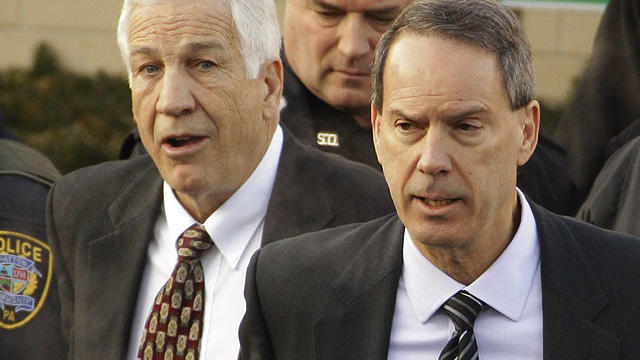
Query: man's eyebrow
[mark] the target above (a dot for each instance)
(459, 113)
(446, 114)
(324, 5)
(393, 10)
(191, 47)
(396, 112)
(144, 51)
(204, 46)
(386, 11)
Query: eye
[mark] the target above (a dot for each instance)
(206, 65)
(383, 20)
(150, 69)
(405, 126)
(466, 126)
(328, 14)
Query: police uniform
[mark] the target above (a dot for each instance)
(30, 326)
(319, 124)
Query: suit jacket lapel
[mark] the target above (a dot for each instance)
(361, 326)
(298, 202)
(117, 262)
(571, 296)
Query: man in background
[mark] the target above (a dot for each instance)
(328, 50)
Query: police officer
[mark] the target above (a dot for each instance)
(29, 306)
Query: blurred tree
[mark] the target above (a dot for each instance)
(76, 120)
(79, 120)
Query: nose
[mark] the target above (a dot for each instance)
(355, 37)
(175, 98)
(434, 156)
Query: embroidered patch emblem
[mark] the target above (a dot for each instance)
(25, 275)
(327, 139)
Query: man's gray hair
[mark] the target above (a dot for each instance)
(484, 23)
(255, 20)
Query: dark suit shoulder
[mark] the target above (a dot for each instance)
(611, 257)
(327, 250)
(344, 177)
(614, 250)
(105, 176)
(79, 201)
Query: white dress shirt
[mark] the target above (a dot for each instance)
(236, 230)
(509, 327)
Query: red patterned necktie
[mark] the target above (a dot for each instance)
(174, 326)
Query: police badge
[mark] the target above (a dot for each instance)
(25, 275)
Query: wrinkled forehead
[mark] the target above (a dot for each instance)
(164, 21)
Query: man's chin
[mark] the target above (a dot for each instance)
(350, 101)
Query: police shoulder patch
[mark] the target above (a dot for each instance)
(26, 267)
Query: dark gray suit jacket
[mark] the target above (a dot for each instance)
(100, 220)
(331, 295)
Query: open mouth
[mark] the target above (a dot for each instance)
(182, 141)
(437, 203)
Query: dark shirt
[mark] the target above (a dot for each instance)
(318, 124)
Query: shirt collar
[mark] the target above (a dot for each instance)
(233, 224)
(504, 286)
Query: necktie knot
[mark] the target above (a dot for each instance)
(463, 308)
(193, 243)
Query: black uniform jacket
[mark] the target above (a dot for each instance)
(30, 310)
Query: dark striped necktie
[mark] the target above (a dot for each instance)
(462, 308)
(174, 327)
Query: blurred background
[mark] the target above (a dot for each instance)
(63, 88)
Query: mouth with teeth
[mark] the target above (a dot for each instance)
(437, 203)
(182, 141)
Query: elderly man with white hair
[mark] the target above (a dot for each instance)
(152, 251)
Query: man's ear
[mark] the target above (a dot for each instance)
(530, 126)
(273, 82)
(376, 123)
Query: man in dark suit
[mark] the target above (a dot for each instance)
(206, 81)
(469, 267)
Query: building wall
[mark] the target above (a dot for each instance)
(561, 41)
(83, 35)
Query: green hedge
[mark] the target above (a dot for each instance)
(76, 120)
(80, 120)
